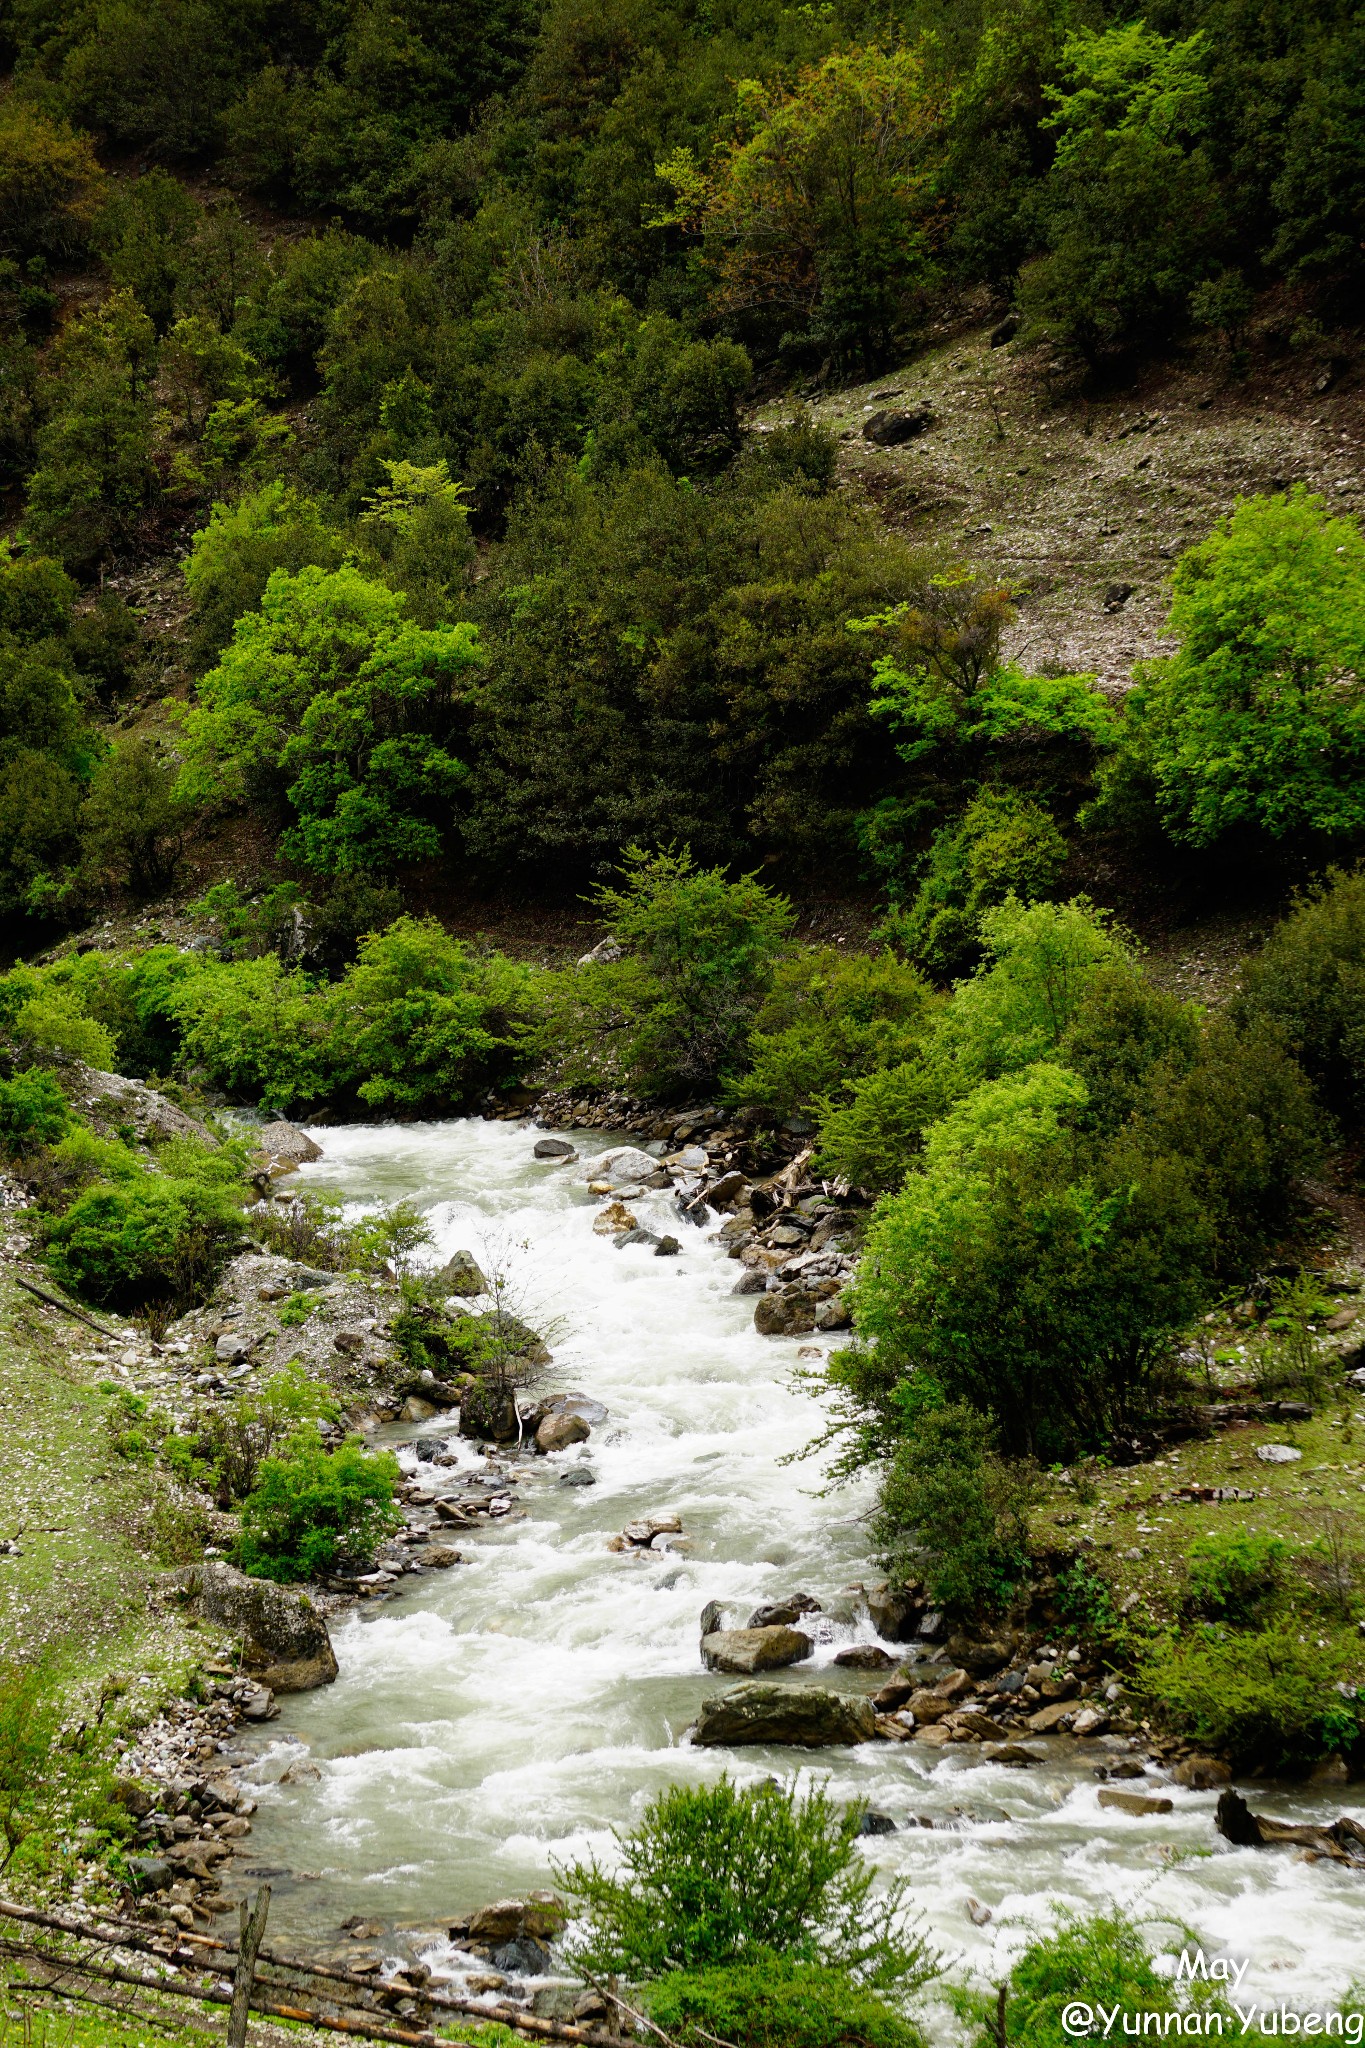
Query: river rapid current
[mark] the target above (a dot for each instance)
(504, 1715)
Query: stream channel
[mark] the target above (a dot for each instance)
(505, 1714)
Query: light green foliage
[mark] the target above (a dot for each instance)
(1103, 1960)
(1257, 723)
(1309, 981)
(33, 1112)
(718, 1875)
(829, 1018)
(1234, 1577)
(145, 1238)
(1130, 204)
(49, 1018)
(395, 1237)
(698, 954)
(954, 1513)
(1004, 845)
(257, 1029)
(29, 1762)
(872, 1135)
(775, 2003)
(330, 698)
(1267, 1696)
(129, 995)
(233, 557)
(36, 596)
(235, 1440)
(312, 1510)
(415, 533)
(422, 1021)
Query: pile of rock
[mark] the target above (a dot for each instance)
(650, 1532)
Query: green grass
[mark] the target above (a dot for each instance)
(77, 1591)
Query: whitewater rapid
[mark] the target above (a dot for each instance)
(501, 1717)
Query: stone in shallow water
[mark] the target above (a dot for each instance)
(802, 1716)
(754, 1649)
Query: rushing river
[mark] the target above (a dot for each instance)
(505, 1714)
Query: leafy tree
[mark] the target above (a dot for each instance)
(36, 597)
(415, 533)
(696, 956)
(155, 75)
(147, 1238)
(50, 183)
(717, 1875)
(233, 557)
(818, 210)
(1004, 845)
(144, 234)
(829, 1018)
(330, 700)
(1130, 203)
(133, 824)
(1320, 190)
(422, 1022)
(1309, 981)
(1257, 722)
(312, 1509)
(952, 1511)
(257, 1029)
(1103, 1957)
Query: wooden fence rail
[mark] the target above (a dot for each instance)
(237, 1983)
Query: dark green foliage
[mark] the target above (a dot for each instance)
(312, 1510)
(1309, 982)
(718, 1875)
(36, 597)
(144, 234)
(872, 1135)
(133, 822)
(1004, 845)
(148, 1237)
(953, 1512)
(696, 956)
(33, 1112)
(776, 2004)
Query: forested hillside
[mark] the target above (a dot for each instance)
(845, 518)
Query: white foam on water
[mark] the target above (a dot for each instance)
(505, 1714)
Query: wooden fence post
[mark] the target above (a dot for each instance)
(252, 1933)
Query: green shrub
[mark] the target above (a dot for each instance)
(697, 957)
(1101, 1959)
(257, 1029)
(147, 1238)
(1234, 1576)
(50, 183)
(1309, 980)
(828, 1019)
(1004, 845)
(235, 1440)
(312, 1510)
(953, 1512)
(1270, 1696)
(133, 824)
(1248, 726)
(718, 1875)
(233, 557)
(775, 2003)
(873, 1135)
(33, 1112)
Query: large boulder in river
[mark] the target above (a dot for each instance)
(788, 1313)
(623, 1166)
(747, 1650)
(285, 1643)
(804, 1716)
(461, 1275)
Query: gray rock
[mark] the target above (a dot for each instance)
(893, 1611)
(284, 1146)
(896, 424)
(622, 1166)
(553, 1148)
(667, 1248)
(712, 1615)
(800, 1716)
(1278, 1454)
(636, 1236)
(864, 1657)
(788, 1313)
(578, 1475)
(461, 1275)
(232, 1349)
(746, 1650)
(833, 1314)
(754, 1280)
(783, 1612)
(523, 1957)
(874, 1823)
(151, 1873)
(285, 1644)
(602, 955)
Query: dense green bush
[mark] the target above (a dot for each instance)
(332, 706)
(258, 1030)
(1309, 980)
(1004, 845)
(33, 1112)
(697, 954)
(1102, 1960)
(1234, 1576)
(149, 1237)
(718, 1875)
(1269, 1696)
(952, 1512)
(829, 1018)
(312, 1510)
(233, 557)
(776, 2003)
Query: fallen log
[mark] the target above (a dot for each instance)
(1343, 1841)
